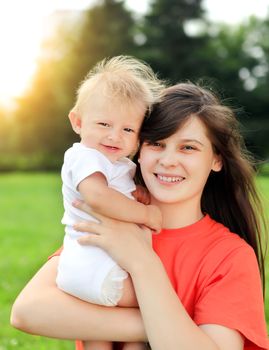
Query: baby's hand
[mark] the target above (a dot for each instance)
(141, 194)
(154, 218)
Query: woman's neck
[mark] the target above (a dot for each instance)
(177, 215)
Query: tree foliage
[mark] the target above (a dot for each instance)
(238, 59)
(168, 47)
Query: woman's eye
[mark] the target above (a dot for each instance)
(155, 144)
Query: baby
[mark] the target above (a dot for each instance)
(109, 110)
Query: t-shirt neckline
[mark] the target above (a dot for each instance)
(199, 226)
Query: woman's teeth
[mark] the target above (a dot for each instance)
(170, 178)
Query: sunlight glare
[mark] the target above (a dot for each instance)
(233, 12)
(22, 28)
(20, 37)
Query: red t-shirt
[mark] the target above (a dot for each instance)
(215, 275)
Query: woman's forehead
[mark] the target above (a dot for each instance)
(193, 126)
(193, 129)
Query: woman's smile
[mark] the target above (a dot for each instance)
(169, 179)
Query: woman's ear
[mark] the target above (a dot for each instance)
(217, 163)
(75, 121)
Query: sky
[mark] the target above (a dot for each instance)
(230, 11)
(21, 32)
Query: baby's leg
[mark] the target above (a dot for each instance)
(135, 346)
(98, 345)
(128, 298)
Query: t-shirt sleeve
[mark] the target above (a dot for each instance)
(79, 345)
(87, 162)
(232, 297)
(57, 253)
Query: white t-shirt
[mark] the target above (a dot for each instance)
(79, 163)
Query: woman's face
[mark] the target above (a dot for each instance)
(176, 169)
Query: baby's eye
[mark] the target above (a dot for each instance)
(128, 130)
(104, 124)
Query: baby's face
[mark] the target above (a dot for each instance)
(112, 127)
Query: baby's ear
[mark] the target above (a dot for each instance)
(75, 121)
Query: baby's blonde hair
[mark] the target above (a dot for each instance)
(123, 78)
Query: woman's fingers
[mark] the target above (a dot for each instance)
(91, 239)
(88, 226)
(82, 206)
(87, 209)
(95, 229)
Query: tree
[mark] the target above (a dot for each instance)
(239, 57)
(168, 47)
(106, 31)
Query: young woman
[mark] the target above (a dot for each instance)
(198, 284)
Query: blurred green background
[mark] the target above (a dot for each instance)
(180, 44)
(173, 37)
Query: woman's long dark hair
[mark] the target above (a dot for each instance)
(230, 196)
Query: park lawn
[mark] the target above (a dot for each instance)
(29, 236)
(30, 230)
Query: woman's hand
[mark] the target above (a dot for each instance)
(127, 243)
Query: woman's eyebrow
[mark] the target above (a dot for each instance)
(193, 141)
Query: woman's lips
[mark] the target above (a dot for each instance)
(169, 179)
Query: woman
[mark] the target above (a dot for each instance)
(199, 287)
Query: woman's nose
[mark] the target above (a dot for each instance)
(169, 159)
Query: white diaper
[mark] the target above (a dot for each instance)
(90, 274)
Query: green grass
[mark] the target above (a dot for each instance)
(30, 230)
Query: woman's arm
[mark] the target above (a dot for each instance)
(168, 325)
(41, 308)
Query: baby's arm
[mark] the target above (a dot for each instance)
(109, 202)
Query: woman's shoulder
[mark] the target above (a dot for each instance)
(203, 238)
(222, 244)
(225, 237)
